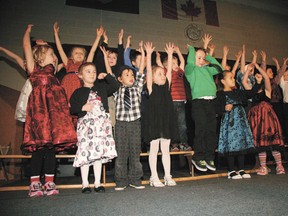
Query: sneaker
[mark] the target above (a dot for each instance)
(280, 170)
(120, 188)
(169, 181)
(35, 189)
(174, 148)
(263, 170)
(210, 165)
(50, 189)
(200, 165)
(137, 186)
(185, 147)
(244, 175)
(234, 175)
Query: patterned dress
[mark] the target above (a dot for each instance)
(235, 133)
(48, 122)
(264, 124)
(95, 139)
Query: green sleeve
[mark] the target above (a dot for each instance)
(191, 55)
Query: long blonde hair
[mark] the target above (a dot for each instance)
(39, 52)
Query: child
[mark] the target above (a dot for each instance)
(128, 127)
(71, 81)
(265, 125)
(179, 98)
(203, 90)
(95, 140)
(235, 137)
(48, 125)
(159, 119)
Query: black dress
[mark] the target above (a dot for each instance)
(159, 119)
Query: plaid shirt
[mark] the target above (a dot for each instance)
(135, 97)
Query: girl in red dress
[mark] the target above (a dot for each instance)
(48, 127)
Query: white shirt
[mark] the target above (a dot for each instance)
(284, 86)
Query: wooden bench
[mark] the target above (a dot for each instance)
(188, 154)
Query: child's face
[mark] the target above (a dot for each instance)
(285, 76)
(50, 58)
(127, 77)
(78, 55)
(175, 65)
(159, 77)
(270, 73)
(200, 58)
(137, 61)
(88, 75)
(112, 59)
(228, 81)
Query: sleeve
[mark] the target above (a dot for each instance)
(191, 55)
(127, 60)
(99, 61)
(250, 93)
(220, 103)
(216, 66)
(112, 85)
(76, 103)
(120, 59)
(140, 81)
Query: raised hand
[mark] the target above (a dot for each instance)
(149, 48)
(169, 48)
(56, 27)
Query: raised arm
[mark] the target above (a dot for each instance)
(275, 60)
(14, 56)
(263, 62)
(60, 49)
(169, 48)
(224, 57)
(142, 61)
(158, 60)
(268, 88)
(255, 54)
(245, 77)
(149, 50)
(180, 56)
(99, 33)
(107, 65)
(281, 71)
(211, 49)
(28, 49)
(236, 64)
(243, 59)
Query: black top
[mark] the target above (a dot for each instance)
(104, 88)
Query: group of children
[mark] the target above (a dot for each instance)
(75, 112)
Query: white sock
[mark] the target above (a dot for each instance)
(97, 167)
(166, 160)
(154, 148)
(84, 175)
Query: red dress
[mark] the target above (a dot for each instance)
(48, 122)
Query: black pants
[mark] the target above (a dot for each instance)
(44, 157)
(204, 116)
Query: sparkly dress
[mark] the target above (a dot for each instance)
(95, 139)
(235, 135)
(265, 126)
(48, 122)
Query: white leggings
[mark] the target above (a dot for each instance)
(166, 161)
(97, 168)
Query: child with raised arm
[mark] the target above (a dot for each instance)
(235, 137)
(265, 125)
(48, 127)
(90, 104)
(128, 127)
(203, 90)
(160, 118)
(78, 55)
(179, 98)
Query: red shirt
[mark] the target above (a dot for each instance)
(177, 86)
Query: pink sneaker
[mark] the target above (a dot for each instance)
(50, 189)
(263, 170)
(280, 170)
(35, 189)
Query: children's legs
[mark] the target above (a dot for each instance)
(97, 168)
(263, 170)
(231, 163)
(241, 160)
(36, 165)
(84, 175)
(279, 167)
(166, 160)
(154, 148)
(49, 165)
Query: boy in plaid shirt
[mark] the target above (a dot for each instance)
(128, 127)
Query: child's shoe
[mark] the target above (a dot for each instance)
(263, 170)
(155, 182)
(234, 175)
(244, 175)
(35, 189)
(280, 170)
(174, 148)
(50, 189)
(169, 181)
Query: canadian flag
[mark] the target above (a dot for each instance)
(194, 10)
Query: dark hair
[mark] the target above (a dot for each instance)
(220, 77)
(134, 54)
(125, 67)
(82, 66)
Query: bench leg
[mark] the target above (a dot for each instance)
(191, 166)
(4, 170)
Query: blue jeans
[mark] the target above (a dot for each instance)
(179, 108)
